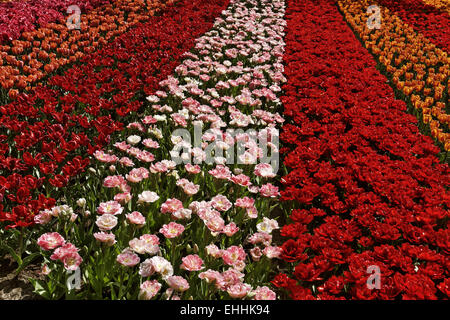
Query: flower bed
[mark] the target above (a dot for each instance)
(426, 19)
(418, 70)
(197, 229)
(19, 16)
(439, 4)
(368, 188)
(28, 61)
(46, 136)
(139, 155)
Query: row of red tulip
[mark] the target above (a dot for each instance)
(369, 191)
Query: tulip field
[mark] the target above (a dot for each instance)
(224, 149)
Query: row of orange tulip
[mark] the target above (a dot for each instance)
(443, 5)
(417, 67)
(25, 62)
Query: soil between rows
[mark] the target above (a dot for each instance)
(17, 287)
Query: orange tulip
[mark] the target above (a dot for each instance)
(13, 93)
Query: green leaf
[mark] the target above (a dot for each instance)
(27, 261)
(13, 254)
(39, 288)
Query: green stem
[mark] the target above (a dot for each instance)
(122, 278)
(173, 248)
(20, 244)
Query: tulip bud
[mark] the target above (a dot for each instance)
(134, 139)
(174, 174)
(81, 202)
(45, 270)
